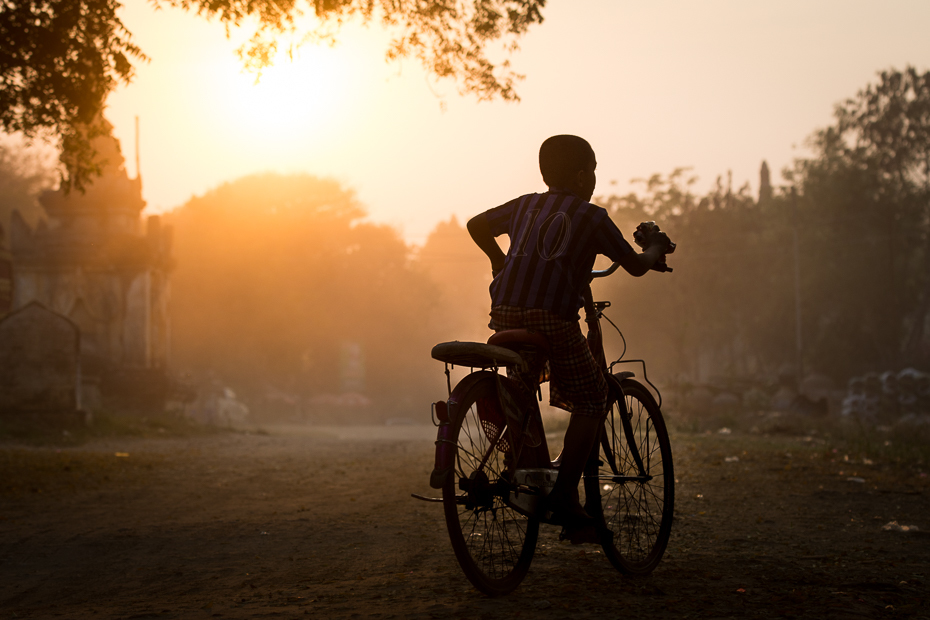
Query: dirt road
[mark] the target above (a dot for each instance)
(320, 523)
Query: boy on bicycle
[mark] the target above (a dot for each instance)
(538, 285)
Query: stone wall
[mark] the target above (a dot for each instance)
(116, 292)
(40, 369)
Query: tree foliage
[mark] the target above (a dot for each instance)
(462, 276)
(859, 207)
(450, 39)
(888, 126)
(864, 201)
(726, 308)
(275, 272)
(59, 59)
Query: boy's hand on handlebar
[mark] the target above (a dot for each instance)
(661, 239)
(648, 236)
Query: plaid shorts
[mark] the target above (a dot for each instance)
(576, 383)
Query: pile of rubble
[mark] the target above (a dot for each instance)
(888, 397)
(815, 396)
(216, 405)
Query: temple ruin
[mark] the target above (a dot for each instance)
(97, 262)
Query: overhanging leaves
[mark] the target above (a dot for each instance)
(58, 61)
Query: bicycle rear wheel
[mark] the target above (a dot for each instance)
(635, 504)
(493, 543)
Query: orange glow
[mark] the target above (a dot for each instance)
(300, 97)
(645, 87)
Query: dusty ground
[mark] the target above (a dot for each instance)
(320, 522)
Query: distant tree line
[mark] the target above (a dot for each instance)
(274, 272)
(858, 211)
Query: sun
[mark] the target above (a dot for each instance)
(291, 98)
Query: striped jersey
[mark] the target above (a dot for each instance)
(554, 239)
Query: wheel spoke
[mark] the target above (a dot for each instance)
(492, 542)
(637, 511)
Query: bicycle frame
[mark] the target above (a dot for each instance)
(508, 410)
(517, 419)
(593, 312)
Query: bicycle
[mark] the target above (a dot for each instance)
(492, 462)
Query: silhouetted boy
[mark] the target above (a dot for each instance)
(538, 284)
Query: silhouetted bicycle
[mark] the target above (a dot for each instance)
(493, 464)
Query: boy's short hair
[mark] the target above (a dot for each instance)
(561, 157)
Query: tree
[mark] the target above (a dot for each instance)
(462, 276)
(726, 307)
(862, 217)
(888, 125)
(59, 59)
(864, 206)
(276, 272)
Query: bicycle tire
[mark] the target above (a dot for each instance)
(493, 543)
(636, 513)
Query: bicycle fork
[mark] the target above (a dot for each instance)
(627, 425)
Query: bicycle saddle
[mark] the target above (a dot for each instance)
(475, 354)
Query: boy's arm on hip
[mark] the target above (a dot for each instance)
(480, 233)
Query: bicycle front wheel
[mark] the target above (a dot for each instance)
(493, 543)
(631, 486)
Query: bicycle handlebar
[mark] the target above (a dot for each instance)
(603, 273)
(641, 236)
(661, 266)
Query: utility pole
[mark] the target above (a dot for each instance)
(138, 173)
(799, 343)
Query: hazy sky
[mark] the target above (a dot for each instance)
(716, 85)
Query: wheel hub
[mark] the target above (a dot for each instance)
(479, 491)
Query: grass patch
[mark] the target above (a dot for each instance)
(906, 442)
(28, 470)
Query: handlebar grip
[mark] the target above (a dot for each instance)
(605, 272)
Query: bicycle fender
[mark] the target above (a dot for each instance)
(445, 437)
(613, 384)
(617, 380)
(445, 455)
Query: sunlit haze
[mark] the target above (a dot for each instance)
(713, 85)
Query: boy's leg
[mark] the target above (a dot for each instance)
(579, 441)
(576, 381)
